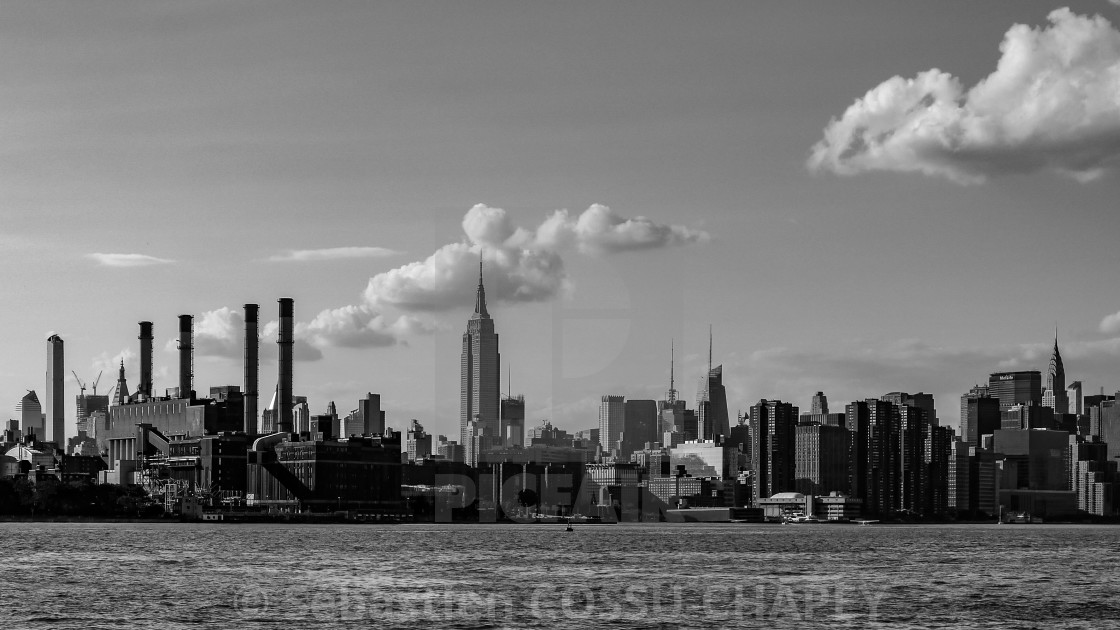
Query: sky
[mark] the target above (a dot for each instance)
(856, 197)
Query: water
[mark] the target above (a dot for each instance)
(55, 575)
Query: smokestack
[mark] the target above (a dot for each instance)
(186, 356)
(284, 380)
(252, 344)
(146, 359)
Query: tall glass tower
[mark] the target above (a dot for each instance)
(480, 393)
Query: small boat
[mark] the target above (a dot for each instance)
(864, 521)
(568, 528)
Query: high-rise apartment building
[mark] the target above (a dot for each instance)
(773, 448)
(56, 398)
(821, 459)
(480, 369)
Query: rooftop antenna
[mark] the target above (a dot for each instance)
(672, 372)
(709, 350)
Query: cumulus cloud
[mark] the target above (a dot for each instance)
(600, 230)
(521, 265)
(127, 260)
(1052, 104)
(358, 327)
(1110, 325)
(332, 253)
(220, 333)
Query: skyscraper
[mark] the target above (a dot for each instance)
(30, 414)
(55, 429)
(612, 419)
(1013, 388)
(711, 402)
(480, 371)
(773, 448)
(1073, 392)
(1055, 395)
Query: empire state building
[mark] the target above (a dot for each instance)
(480, 397)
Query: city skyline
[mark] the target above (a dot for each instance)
(320, 154)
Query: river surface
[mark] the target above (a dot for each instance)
(247, 576)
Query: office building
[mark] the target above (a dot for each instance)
(417, 442)
(1073, 393)
(1023, 416)
(513, 421)
(712, 422)
(980, 415)
(30, 415)
(1055, 396)
(1016, 388)
(56, 398)
(921, 400)
(612, 419)
(639, 426)
(480, 368)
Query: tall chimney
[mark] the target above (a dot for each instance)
(252, 344)
(186, 356)
(284, 380)
(146, 359)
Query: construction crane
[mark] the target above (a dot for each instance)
(95, 381)
(82, 385)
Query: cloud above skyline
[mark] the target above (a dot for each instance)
(1052, 104)
(127, 260)
(1110, 325)
(520, 264)
(333, 253)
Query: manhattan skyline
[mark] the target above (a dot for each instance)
(630, 174)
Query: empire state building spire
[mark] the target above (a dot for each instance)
(480, 297)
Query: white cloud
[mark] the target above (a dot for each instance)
(357, 327)
(600, 230)
(333, 253)
(109, 365)
(521, 265)
(1052, 104)
(1110, 325)
(127, 260)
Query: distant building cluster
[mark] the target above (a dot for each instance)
(1028, 448)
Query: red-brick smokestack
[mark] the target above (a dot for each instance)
(145, 338)
(252, 346)
(284, 380)
(186, 356)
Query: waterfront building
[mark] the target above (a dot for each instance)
(821, 459)
(359, 473)
(704, 458)
(773, 439)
